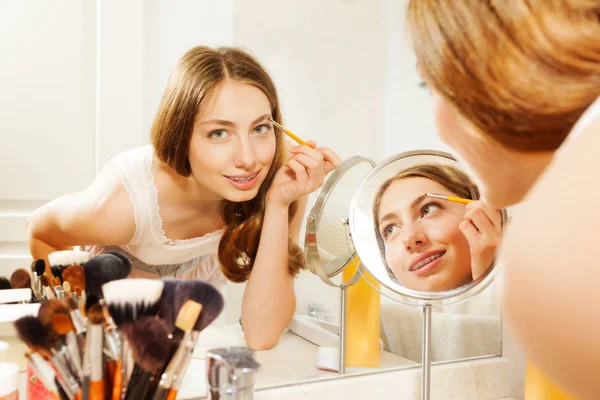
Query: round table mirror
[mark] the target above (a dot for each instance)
(419, 229)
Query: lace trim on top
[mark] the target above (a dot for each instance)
(137, 215)
(157, 222)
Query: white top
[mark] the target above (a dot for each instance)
(587, 118)
(151, 252)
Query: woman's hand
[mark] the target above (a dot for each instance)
(303, 173)
(482, 226)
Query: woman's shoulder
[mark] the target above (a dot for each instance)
(132, 157)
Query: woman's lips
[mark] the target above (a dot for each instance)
(428, 264)
(243, 182)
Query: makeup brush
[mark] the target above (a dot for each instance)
(93, 373)
(39, 339)
(62, 325)
(78, 320)
(75, 276)
(290, 134)
(60, 260)
(33, 333)
(4, 283)
(48, 309)
(47, 293)
(20, 279)
(150, 343)
(67, 288)
(58, 289)
(103, 268)
(449, 198)
(203, 293)
(113, 350)
(78, 296)
(166, 305)
(186, 320)
(177, 293)
(128, 300)
(38, 268)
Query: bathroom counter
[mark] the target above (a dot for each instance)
(292, 360)
(286, 369)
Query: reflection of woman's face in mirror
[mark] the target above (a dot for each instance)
(434, 245)
(424, 246)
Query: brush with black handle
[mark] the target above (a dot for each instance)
(127, 300)
(170, 308)
(149, 338)
(186, 319)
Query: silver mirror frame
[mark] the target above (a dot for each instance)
(311, 249)
(406, 295)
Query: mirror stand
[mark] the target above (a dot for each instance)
(342, 340)
(425, 356)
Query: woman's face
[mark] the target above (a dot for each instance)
(424, 246)
(233, 143)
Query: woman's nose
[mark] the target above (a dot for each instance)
(414, 238)
(244, 156)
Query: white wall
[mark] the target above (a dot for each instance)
(408, 112)
(172, 28)
(47, 112)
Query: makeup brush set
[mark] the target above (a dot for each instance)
(98, 336)
(68, 276)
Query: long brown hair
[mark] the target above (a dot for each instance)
(521, 71)
(195, 79)
(448, 176)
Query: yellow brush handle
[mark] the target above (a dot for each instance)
(297, 139)
(459, 200)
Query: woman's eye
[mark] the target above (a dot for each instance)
(218, 134)
(262, 129)
(388, 230)
(429, 208)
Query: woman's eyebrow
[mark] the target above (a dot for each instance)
(225, 122)
(413, 204)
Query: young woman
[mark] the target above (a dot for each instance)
(434, 245)
(218, 195)
(516, 88)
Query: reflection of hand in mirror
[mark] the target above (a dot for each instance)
(482, 226)
(422, 239)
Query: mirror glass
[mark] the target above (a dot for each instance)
(415, 233)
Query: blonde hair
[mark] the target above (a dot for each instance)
(521, 71)
(195, 79)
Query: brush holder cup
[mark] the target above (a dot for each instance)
(231, 373)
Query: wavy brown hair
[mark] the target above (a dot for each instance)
(521, 71)
(194, 81)
(448, 176)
